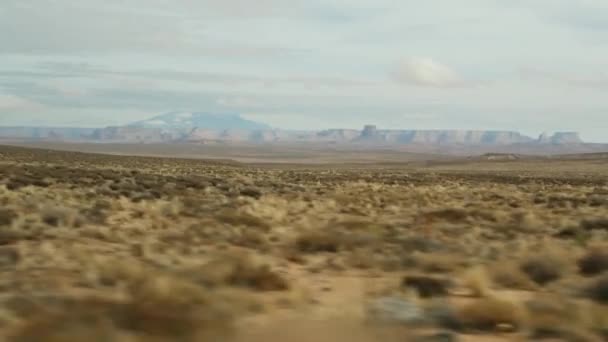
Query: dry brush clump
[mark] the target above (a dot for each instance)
(594, 262)
(509, 275)
(491, 314)
(7, 215)
(551, 317)
(543, 268)
(598, 290)
(477, 281)
(239, 270)
(236, 218)
(156, 309)
(318, 241)
(337, 237)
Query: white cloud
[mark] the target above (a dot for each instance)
(428, 73)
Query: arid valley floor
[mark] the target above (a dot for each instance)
(97, 247)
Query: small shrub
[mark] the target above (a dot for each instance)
(95, 215)
(294, 256)
(595, 224)
(66, 327)
(510, 276)
(552, 317)
(542, 269)
(9, 256)
(12, 236)
(488, 313)
(318, 241)
(157, 308)
(251, 192)
(260, 278)
(240, 271)
(60, 217)
(235, 218)
(421, 244)
(7, 216)
(250, 238)
(447, 214)
(598, 290)
(476, 280)
(362, 259)
(594, 262)
(171, 308)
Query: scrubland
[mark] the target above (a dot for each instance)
(116, 248)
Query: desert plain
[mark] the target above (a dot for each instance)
(101, 247)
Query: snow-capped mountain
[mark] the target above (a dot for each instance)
(200, 120)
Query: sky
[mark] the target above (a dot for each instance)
(524, 65)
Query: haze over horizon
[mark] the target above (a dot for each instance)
(529, 66)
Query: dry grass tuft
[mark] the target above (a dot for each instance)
(240, 271)
(477, 282)
(509, 275)
(334, 238)
(447, 214)
(236, 218)
(250, 238)
(560, 318)
(318, 241)
(60, 217)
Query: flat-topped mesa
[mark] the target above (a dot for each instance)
(369, 131)
(566, 138)
(134, 134)
(442, 137)
(371, 134)
(504, 138)
(338, 135)
(560, 138)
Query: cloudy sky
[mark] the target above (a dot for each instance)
(527, 65)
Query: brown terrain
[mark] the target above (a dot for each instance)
(329, 246)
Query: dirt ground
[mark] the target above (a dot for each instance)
(117, 248)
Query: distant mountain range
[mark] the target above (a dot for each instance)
(207, 128)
